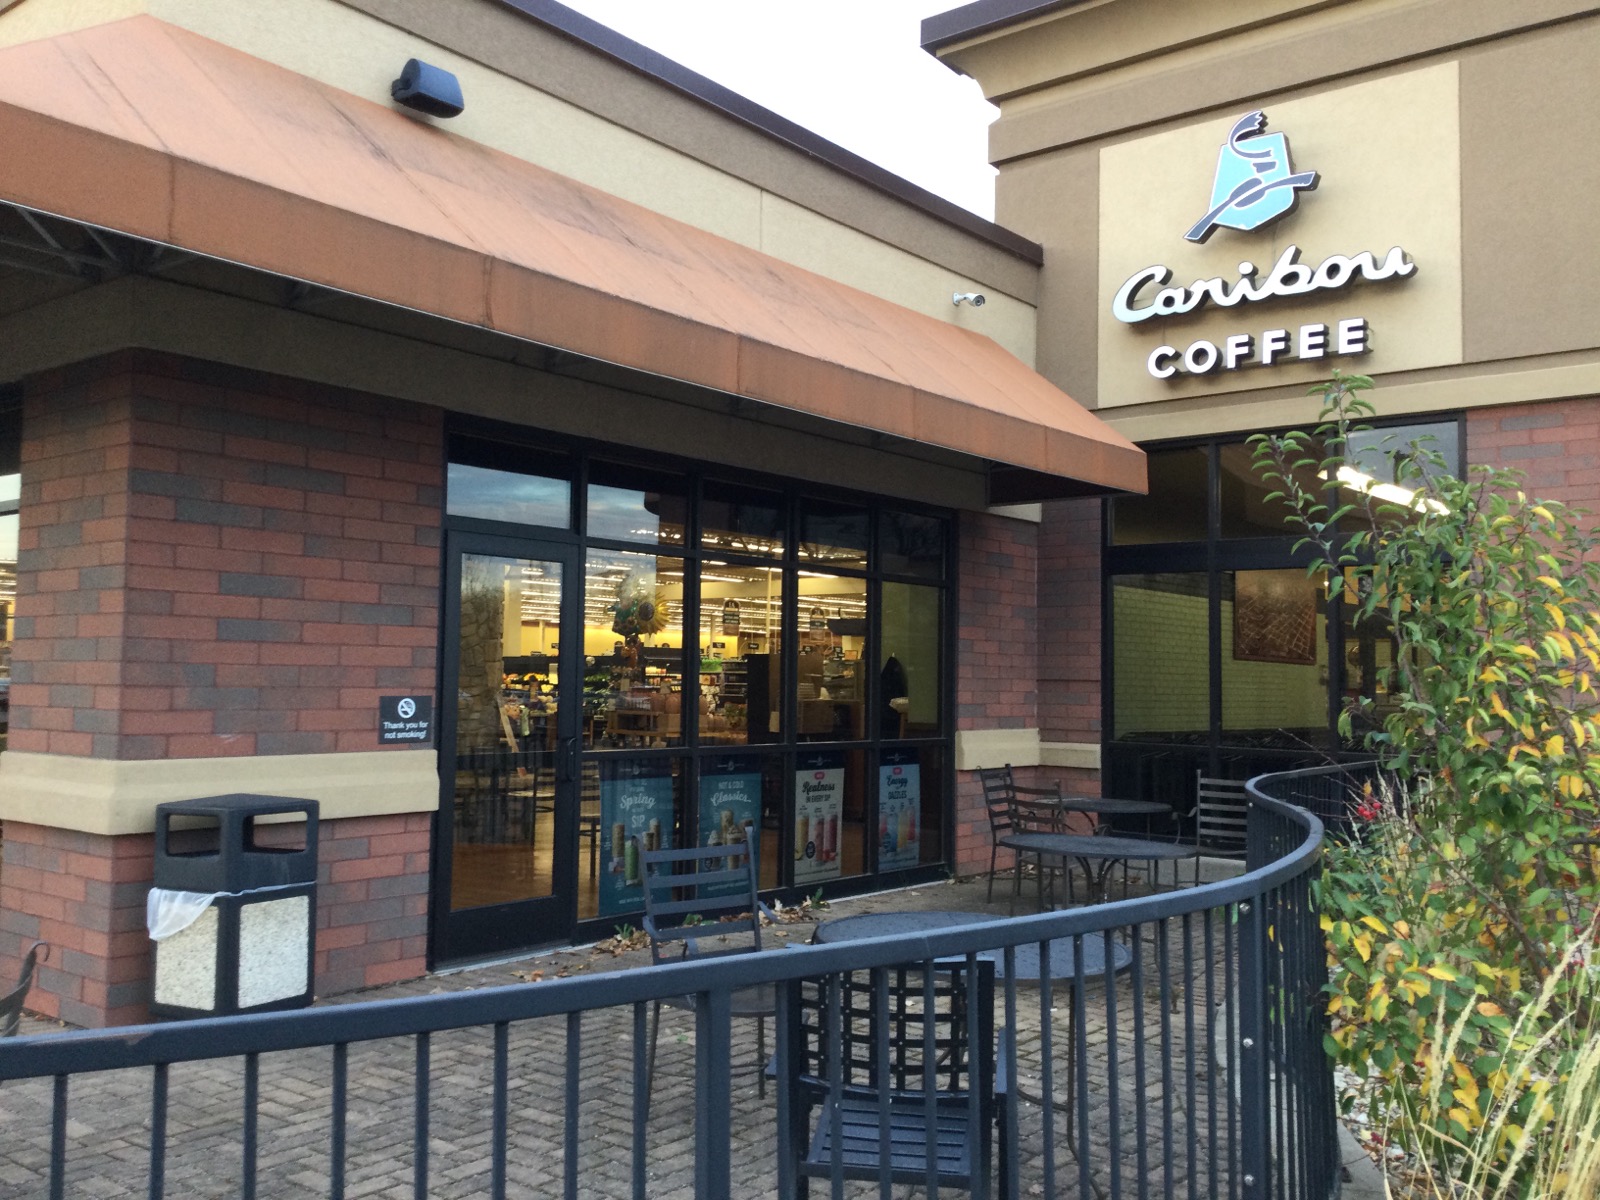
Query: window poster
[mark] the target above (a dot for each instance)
(730, 813)
(636, 801)
(899, 810)
(818, 802)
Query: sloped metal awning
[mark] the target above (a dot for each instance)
(149, 130)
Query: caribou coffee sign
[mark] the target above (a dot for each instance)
(1255, 185)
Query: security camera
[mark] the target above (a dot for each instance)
(976, 299)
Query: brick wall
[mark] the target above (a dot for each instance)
(1070, 631)
(1556, 445)
(997, 655)
(85, 895)
(215, 562)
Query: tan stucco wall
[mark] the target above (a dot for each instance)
(1489, 107)
(845, 231)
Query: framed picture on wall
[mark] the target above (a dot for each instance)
(1275, 617)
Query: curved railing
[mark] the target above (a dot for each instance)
(1194, 1068)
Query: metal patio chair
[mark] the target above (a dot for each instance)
(862, 1072)
(695, 899)
(11, 1002)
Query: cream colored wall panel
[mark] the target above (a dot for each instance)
(1233, 413)
(977, 748)
(800, 236)
(1388, 153)
(358, 53)
(104, 796)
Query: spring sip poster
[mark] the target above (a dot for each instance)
(635, 802)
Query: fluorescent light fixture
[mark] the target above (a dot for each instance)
(1358, 481)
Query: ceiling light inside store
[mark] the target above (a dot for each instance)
(1393, 493)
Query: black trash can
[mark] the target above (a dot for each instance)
(233, 909)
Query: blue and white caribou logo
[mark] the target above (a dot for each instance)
(1255, 183)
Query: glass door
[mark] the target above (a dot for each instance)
(508, 824)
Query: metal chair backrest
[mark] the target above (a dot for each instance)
(1220, 812)
(702, 892)
(963, 1034)
(999, 792)
(1037, 816)
(11, 1002)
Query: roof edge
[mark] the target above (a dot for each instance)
(983, 16)
(638, 57)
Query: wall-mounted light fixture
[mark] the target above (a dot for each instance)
(976, 299)
(428, 89)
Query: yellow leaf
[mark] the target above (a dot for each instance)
(1542, 512)
(1327, 921)
(1556, 615)
(1402, 928)
(1363, 945)
(1565, 643)
(1499, 706)
(1557, 745)
(1525, 651)
(1551, 581)
(1374, 923)
(1570, 786)
(1579, 735)
(1489, 1008)
(1444, 973)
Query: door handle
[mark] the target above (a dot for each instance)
(567, 760)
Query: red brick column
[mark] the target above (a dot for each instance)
(997, 655)
(1070, 631)
(1556, 445)
(215, 563)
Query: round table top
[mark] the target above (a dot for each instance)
(1082, 845)
(1113, 807)
(1063, 960)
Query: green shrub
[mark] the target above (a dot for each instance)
(1454, 904)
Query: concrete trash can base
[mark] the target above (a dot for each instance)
(233, 909)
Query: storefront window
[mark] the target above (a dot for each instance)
(741, 805)
(1274, 660)
(634, 650)
(912, 544)
(627, 504)
(501, 482)
(833, 535)
(741, 622)
(10, 522)
(1161, 660)
(1386, 470)
(741, 520)
(830, 684)
(911, 664)
(1175, 508)
(1246, 510)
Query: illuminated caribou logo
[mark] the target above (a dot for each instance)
(1255, 183)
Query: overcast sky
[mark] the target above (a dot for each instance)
(851, 70)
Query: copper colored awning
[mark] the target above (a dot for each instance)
(144, 128)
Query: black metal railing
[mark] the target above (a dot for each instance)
(1188, 1063)
(1330, 792)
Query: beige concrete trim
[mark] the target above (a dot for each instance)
(1082, 755)
(1033, 513)
(1481, 389)
(94, 795)
(996, 747)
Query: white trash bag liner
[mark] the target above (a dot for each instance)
(167, 912)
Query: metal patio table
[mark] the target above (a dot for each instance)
(1107, 850)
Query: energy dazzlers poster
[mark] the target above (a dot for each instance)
(635, 802)
(899, 812)
(730, 813)
(818, 804)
